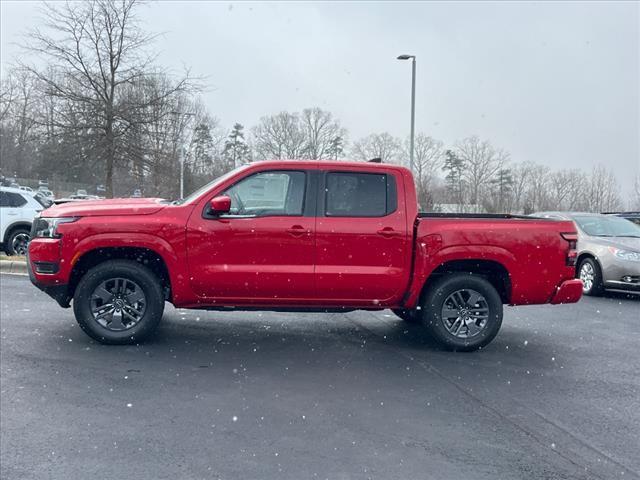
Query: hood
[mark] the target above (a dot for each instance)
(624, 243)
(96, 208)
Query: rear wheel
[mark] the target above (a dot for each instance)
(462, 312)
(118, 302)
(591, 275)
(17, 242)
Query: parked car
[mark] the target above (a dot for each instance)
(75, 198)
(26, 189)
(608, 251)
(45, 191)
(43, 199)
(17, 211)
(631, 216)
(299, 236)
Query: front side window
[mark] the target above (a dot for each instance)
(268, 194)
(359, 194)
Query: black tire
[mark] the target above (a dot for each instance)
(128, 270)
(13, 245)
(441, 292)
(409, 316)
(597, 287)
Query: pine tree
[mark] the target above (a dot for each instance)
(454, 167)
(502, 183)
(202, 150)
(336, 148)
(236, 151)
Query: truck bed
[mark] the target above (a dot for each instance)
(493, 216)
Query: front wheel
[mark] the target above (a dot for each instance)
(118, 302)
(463, 312)
(591, 275)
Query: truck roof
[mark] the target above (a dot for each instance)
(329, 163)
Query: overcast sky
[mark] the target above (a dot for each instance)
(555, 83)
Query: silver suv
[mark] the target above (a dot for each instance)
(608, 251)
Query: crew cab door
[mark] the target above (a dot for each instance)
(363, 239)
(262, 252)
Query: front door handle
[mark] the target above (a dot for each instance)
(389, 232)
(297, 230)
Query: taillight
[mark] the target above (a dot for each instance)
(572, 252)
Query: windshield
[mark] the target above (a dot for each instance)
(607, 226)
(209, 186)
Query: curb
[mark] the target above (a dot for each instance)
(13, 266)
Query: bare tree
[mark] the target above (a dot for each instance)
(538, 191)
(320, 130)
(634, 203)
(95, 49)
(378, 145)
(279, 136)
(428, 157)
(603, 190)
(482, 162)
(521, 173)
(19, 110)
(567, 190)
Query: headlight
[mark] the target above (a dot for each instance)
(48, 227)
(625, 254)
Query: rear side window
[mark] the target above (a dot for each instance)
(350, 194)
(11, 199)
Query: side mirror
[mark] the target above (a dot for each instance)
(220, 205)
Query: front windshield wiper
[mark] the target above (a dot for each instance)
(617, 236)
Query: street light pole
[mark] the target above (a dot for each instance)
(181, 172)
(413, 106)
(181, 153)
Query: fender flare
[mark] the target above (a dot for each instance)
(176, 266)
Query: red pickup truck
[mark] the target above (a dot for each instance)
(299, 236)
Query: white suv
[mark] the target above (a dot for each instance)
(17, 211)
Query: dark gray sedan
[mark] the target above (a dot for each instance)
(608, 251)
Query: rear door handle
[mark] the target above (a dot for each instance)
(297, 230)
(389, 232)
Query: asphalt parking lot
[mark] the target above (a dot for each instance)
(338, 396)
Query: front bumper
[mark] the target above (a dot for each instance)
(569, 291)
(619, 274)
(59, 292)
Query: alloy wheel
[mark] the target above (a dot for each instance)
(20, 243)
(587, 275)
(118, 304)
(465, 313)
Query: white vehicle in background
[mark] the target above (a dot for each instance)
(45, 191)
(26, 189)
(17, 211)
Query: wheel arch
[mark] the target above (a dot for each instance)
(495, 272)
(584, 255)
(143, 255)
(11, 228)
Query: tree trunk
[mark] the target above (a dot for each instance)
(110, 154)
